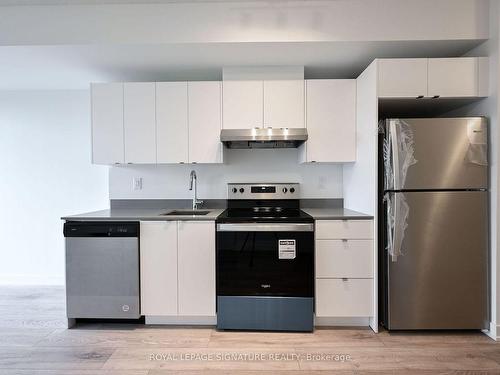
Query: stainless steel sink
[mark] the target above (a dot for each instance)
(185, 213)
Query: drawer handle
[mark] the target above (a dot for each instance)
(344, 240)
(344, 279)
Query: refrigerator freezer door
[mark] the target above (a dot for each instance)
(441, 279)
(445, 153)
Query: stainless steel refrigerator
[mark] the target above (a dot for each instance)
(434, 223)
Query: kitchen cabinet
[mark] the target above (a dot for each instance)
(158, 249)
(344, 268)
(205, 122)
(107, 123)
(456, 77)
(402, 78)
(344, 229)
(196, 267)
(263, 103)
(344, 258)
(459, 77)
(284, 103)
(172, 122)
(242, 104)
(177, 268)
(330, 121)
(344, 298)
(139, 122)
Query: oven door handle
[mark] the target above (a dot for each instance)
(265, 227)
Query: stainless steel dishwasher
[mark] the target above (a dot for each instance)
(102, 270)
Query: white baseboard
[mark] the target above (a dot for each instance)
(182, 320)
(40, 280)
(212, 320)
(341, 322)
(493, 332)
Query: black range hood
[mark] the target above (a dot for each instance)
(263, 137)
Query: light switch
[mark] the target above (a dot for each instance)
(137, 183)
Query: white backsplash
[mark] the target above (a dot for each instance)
(172, 181)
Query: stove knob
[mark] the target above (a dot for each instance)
(285, 190)
(292, 190)
(242, 190)
(234, 190)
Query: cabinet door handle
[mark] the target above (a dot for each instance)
(436, 96)
(344, 239)
(420, 97)
(345, 279)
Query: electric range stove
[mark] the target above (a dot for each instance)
(265, 260)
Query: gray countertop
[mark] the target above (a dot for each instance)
(336, 214)
(121, 214)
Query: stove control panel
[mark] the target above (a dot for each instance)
(263, 191)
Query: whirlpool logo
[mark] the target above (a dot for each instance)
(265, 286)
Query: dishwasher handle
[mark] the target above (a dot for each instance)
(101, 229)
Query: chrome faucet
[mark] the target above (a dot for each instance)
(193, 180)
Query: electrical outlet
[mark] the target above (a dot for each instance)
(137, 183)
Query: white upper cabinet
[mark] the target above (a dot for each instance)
(158, 268)
(196, 268)
(458, 77)
(284, 103)
(455, 77)
(243, 104)
(172, 122)
(330, 120)
(263, 97)
(139, 122)
(402, 78)
(205, 122)
(107, 123)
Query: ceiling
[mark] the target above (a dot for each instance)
(75, 66)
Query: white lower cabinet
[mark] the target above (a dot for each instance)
(177, 268)
(344, 297)
(158, 248)
(344, 268)
(344, 258)
(196, 268)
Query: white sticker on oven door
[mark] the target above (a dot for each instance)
(286, 249)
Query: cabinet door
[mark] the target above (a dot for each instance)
(196, 252)
(402, 78)
(107, 123)
(158, 268)
(331, 120)
(453, 77)
(171, 122)
(243, 104)
(139, 122)
(284, 103)
(205, 122)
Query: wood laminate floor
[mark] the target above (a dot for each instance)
(33, 340)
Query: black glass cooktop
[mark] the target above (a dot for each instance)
(263, 211)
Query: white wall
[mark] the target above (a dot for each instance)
(490, 107)
(244, 21)
(45, 173)
(171, 181)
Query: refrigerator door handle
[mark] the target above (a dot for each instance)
(394, 154)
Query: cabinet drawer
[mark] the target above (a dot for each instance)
(339, 258)
(344, 229)
(344, 298)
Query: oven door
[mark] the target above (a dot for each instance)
(265, 259)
